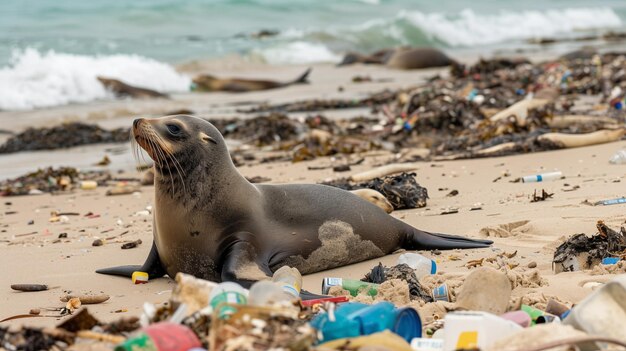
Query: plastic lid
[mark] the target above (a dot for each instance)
(408, 324)
(433, 267)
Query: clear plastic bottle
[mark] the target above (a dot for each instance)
(422, 266)
(619, 158)
(265, 292)
(289, 279)
(228, 292)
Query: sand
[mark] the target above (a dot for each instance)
(69, 264)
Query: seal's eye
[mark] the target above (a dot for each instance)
(173, 129)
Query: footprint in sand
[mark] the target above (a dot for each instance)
(506, 230)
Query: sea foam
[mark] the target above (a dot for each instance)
(36, 80)
(298, 52)
(469, 28)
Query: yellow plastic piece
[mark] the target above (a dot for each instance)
(467, 340)
(140, 277)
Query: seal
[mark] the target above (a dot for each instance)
(122, 90)
(212, 223)
(207, 82)
(401, 58)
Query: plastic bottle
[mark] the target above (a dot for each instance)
(619, 158)
(353, 286)
(289, 279)
(422, 266)
(162, 336)
(265, 292)
(542, 177)
(227, 292)
(88, 185)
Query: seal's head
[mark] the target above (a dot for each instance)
(179, 145)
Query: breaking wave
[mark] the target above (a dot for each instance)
(35, 80)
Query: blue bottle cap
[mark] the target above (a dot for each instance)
(610, 260)
(407, 324)
(433, 267)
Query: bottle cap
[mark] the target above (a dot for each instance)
(407, 324)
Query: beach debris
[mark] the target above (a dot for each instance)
(619, 158)
(543, 197)
(610, 297)
(97, 242)
(29, 287)
(139, 277)
(380, 274)
(131, 245)
(104, 162)
(542, 177)
(123, 189)
(581, 252)
(476, 330)
(65, 135)
(86, 299)
(382, 172)
(354, 319)
(82, 320)
(485, 289)
(50, 180)
(617, 201)
(162, 336)
(191, 291)
(402, 190)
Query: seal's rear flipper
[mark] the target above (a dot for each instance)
(420, 240)
(303, 79)
(152, 266)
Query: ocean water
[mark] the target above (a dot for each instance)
(51, 51)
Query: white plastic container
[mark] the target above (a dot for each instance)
(475, 330)
(265, 292)
(603, 312)
(422, 266)
(542, 177)
(424, 344)
(619, 158)
(289, 279)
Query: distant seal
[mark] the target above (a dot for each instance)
(122, 90)
(212, 223)
(207, 82)
(401, 58)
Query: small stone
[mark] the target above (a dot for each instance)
(532, 264)
(97, 242)
(31, 222)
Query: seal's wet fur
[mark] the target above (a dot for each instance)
(212, 223)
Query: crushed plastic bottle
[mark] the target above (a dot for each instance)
(619, 158)
(265, 292)
(289, 279)
(422, 266)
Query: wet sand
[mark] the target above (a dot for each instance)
(70, 263)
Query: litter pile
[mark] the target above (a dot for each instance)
(63, 136)
(581, 252)
(62, 179)
(405, 307)
(401, 190)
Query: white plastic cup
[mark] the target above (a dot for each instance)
(422, 266)
(542, 177)
(289, 279)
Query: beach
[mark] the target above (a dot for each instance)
(68, 264)
(533, 90)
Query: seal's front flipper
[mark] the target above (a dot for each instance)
(152, 266)
(420, 240)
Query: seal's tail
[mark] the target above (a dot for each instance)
(304, 78)
(421, 240)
